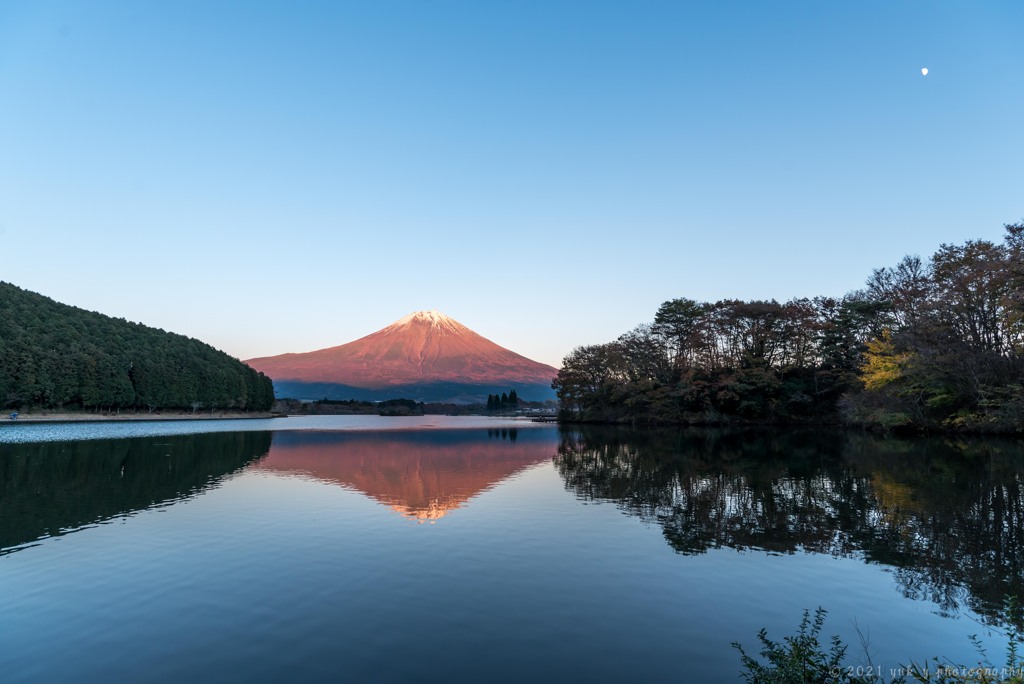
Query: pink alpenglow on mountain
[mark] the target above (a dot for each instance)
(425, 353)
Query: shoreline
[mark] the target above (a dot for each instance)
(165, 416)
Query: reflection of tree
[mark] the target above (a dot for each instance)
(53, 487)
(510, 434)
(947, 516)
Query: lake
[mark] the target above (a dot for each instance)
(462, 549)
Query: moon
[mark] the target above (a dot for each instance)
(924, 72)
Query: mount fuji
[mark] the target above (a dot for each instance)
(425, 356)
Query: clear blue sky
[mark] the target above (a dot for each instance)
(274, 177)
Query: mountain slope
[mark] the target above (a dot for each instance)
(425, 349)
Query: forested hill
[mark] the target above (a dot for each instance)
(54, 355)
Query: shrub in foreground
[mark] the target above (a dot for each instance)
(802, 659)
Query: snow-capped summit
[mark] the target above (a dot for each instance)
(434, 318)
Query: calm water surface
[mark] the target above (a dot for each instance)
(369, 549)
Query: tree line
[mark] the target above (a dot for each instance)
(503, 402)
(935, 345)
(57, 356)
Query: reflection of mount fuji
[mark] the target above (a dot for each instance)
(421, 475)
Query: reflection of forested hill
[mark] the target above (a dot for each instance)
(49, 488)
(52, 354)
(948, 516)
(422, 475)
